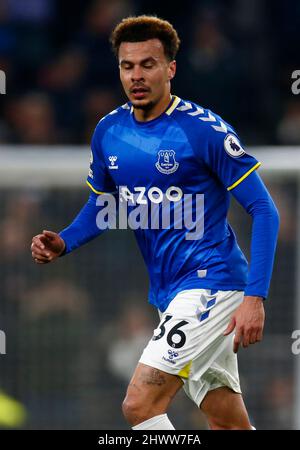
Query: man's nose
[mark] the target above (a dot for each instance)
(137, 73)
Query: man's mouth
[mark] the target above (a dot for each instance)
(139, 92)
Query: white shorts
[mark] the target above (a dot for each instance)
(189, 342)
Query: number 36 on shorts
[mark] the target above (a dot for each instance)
(175, 336)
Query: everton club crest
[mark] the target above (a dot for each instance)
(166, 162)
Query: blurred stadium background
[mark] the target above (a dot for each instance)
(75, 329)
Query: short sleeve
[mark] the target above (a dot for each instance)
(99, 180)
(226, 157)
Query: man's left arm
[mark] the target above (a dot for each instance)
(248, 319)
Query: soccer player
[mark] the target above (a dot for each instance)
(209, 301)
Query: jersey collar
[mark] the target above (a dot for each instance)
(172, 105)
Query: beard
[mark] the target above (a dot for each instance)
(144, 107)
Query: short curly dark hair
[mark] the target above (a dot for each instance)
(142, 28)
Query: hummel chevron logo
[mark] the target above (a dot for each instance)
(185, 107)
(222, 128)
(209, 118)
(197, 112)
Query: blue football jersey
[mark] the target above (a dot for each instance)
(186, 152)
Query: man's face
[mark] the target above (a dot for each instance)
(145, 72)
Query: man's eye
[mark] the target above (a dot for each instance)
(126, 66)
(148, 66)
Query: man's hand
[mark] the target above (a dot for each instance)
(248, 322)
(46, 247)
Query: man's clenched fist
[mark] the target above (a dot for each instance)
(46, 247)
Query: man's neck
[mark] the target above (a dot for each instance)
(143, 115)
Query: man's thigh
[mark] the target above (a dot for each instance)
(152, 388)
(225, 409)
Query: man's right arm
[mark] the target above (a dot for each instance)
(84, 227)
(49, 245)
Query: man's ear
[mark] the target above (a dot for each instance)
(172, 70)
